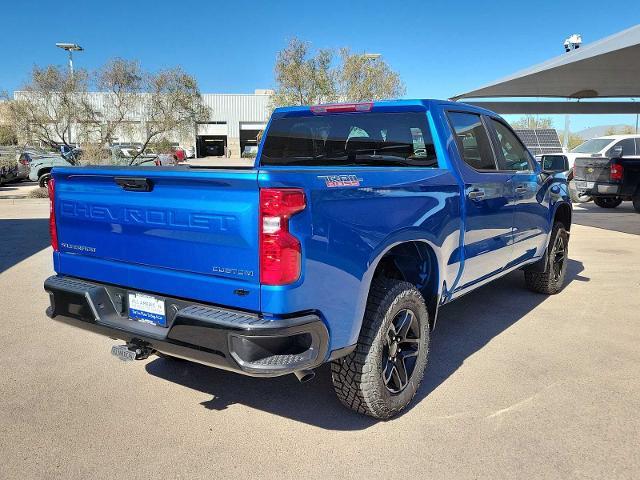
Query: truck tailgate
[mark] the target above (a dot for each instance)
(592, 169)
(194, 234)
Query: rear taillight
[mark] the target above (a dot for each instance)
(280, 252)
(53, 230)
(616, 172)
(24, 161)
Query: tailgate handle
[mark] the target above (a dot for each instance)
(134, 184)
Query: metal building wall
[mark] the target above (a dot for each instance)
(236, 108)
(233, 109)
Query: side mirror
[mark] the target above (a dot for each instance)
(617, 151)
(554, 163)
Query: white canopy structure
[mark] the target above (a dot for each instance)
(608, 68)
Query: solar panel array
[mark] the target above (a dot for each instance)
(540, 141)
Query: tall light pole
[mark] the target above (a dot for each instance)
(70, 47)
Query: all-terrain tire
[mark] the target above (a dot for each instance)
(552, 281)
(607, 202)
(358, 377)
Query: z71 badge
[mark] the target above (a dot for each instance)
(341, 180)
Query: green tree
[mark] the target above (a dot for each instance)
(51, 103)
(306, 77)
(303, 77)
(8, 133)
(574, 140)
(533, 122)
(624, 130)
(172, 103)
(361, 78)
(122, 82)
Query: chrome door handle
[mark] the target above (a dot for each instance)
(521, 189)
(476, 194)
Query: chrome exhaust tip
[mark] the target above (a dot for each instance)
(304, 375)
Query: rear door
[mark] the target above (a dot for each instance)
(489, 200)
(371, 179)
(531, 218)
(179, 232)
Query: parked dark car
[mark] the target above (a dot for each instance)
(610, 181)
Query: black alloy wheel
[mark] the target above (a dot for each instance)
(559, 257)
(401, 350)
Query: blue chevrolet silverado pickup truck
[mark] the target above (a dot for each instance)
(354, 225)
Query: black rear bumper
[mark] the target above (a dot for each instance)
(232, 340)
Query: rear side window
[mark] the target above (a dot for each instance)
(360, 139)
(514, 154)
(628, 147)
(473, 140)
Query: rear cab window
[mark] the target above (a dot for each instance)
(353, 139)
(628, 146)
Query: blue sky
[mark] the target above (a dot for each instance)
(439, 48)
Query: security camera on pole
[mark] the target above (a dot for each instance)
(571, 43)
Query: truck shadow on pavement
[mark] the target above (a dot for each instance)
(21, 238)
(464, 327)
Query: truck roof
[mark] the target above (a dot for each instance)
(408, 104)
(618, 137)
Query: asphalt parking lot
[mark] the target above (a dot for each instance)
(518, 386)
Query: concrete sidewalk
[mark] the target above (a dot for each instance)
(17, 190)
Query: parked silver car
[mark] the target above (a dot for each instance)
(41, 165)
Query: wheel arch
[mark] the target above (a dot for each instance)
(44, 170)
(563, 214)
(414, 261)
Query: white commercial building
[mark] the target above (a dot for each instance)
(236, 120)
(234, 123)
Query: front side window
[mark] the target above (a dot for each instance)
(514, 154)
(359, 139)
(473, 140)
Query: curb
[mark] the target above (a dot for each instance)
(21, 200)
